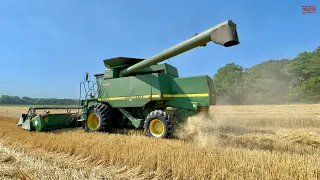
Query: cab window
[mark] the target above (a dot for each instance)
(99, 80)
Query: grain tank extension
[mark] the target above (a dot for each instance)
(134, 92)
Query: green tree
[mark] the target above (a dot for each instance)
(271, 82)
(227, 82)
(308, 91)
(266, 83)
(305, 70)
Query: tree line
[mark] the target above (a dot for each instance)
(282, 81)
(5, 99)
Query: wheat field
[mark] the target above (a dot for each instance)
(232, 142)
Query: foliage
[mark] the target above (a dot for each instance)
(307, 91)
(5, 99)
(271, 82)
(305, 70)
(227, 82)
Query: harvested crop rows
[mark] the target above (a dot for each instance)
(235, 142)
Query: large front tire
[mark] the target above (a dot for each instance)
(99, 118)
(158, 125)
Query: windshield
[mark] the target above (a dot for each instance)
(99, 80)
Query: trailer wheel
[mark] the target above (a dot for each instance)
(157, 124)
(99, 118)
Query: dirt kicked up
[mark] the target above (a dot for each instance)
(244, 142)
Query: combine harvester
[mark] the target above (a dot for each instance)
(136, 92)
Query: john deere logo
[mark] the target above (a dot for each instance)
(135, 97)
(106, 84)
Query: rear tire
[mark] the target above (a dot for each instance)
(158, 125)
(99, 118)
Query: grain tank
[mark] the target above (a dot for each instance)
(135, 92)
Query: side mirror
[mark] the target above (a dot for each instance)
(86, 76)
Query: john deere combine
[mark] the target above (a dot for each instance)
(134, 92)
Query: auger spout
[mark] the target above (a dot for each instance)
(224, 34)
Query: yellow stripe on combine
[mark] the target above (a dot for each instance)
(154, 96)
(186, 95)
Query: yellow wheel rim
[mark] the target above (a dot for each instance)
(93, 121)
(156, 127)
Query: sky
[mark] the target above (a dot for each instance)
(47, 46)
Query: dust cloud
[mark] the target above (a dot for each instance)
(201, 129)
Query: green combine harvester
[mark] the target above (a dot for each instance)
(135, 93)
